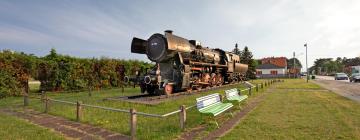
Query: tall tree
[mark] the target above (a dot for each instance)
(290, 63)
(247, 58)
(236, 50)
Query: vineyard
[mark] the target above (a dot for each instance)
(58, 72)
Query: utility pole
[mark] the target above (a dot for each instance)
(294, 65)
(307, 70)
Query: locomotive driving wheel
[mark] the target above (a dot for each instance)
(168, 89)
(219, 79)
(213, 79)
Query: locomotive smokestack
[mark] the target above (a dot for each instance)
(169, 31)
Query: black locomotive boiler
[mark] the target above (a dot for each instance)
(183, 64)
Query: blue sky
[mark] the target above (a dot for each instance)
(105, 28)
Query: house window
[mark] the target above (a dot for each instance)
(273, 72)
(258, 72)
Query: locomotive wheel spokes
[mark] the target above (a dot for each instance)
(168, 89)
(213, 79)
(219, 80)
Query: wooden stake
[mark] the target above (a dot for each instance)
(133, 123)
(47, 105)
(42, 96)
(78, 111)
(250, 91)
(90, 92)
(182, 117)
(26, 99)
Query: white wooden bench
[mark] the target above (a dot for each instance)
(212, 105)
(233, 95)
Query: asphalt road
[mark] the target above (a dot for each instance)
(342, 87)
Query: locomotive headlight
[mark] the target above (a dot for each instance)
(156, 48)
(147, 79)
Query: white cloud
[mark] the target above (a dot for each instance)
(269, 28)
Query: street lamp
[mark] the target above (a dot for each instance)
(307, 70)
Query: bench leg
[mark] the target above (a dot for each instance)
(217, 125)
(239, 105)
(232, 115)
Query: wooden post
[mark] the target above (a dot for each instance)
(257, 87)
(42, 96)
(26, 92)
(90, 92)
(26, 99)
(47, 105)
(182, 117)
(133, 123)
(78, 111)
(221, 98)
(250, 91)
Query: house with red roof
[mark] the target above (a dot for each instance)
(272, 67)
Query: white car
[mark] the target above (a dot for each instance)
(341, 76)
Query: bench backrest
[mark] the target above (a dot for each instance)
(232, 92)
(207, 100)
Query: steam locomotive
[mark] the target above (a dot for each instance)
(183, 64)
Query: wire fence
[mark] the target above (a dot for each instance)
(133, 113)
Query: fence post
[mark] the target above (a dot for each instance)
(42, 96)
(133, 123)
(90, 94)
(182, 117)
(47, 105)
(26, 99)
(78, 111)
(250, 91)
(257, 87)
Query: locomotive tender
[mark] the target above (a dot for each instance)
(183, 64)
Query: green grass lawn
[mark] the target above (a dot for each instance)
(12, 128)
(148, 128)
(298, 84)
(300, 115)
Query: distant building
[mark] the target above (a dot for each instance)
(272, 67)
(355, 69)
(352, 69)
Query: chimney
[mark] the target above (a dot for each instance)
(169, 31)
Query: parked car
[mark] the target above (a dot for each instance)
(355, 77)
(341, 76)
